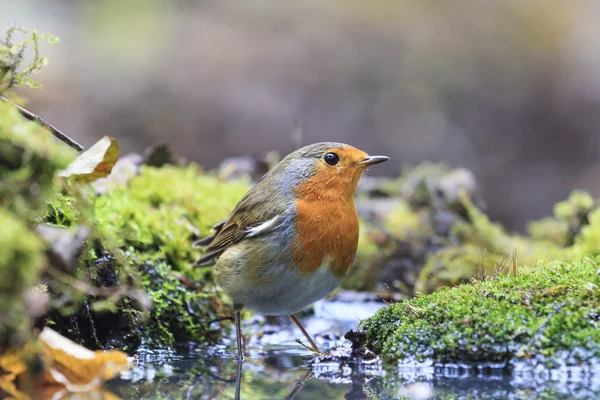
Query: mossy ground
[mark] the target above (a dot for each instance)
(553, 309)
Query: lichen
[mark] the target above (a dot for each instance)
(13, 68)
(535, 315)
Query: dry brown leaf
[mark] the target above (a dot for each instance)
(77, 368)
(94, 163)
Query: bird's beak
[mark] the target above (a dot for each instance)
(372, 160)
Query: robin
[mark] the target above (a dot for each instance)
(292, 238)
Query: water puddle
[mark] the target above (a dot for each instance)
(278, 368)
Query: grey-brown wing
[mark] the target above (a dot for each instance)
(255, 214)
(207, 240)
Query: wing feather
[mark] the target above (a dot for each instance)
(259, 212)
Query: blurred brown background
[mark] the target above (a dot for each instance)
(507, 88)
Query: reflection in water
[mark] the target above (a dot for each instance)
(284, 374)
(278, 368)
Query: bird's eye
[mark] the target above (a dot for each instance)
(331, 158)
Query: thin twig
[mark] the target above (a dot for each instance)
(312, 350)
(58, 134)
(307, 375)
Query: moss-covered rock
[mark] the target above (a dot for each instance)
(159, 211)
(537, 315)
(141, 239)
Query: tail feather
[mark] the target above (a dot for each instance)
(203, 242)
(208, 259)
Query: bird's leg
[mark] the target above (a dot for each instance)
(238, 331)
(315, 348)
(238, 379)
(240, 357)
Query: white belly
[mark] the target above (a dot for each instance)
(293, 292)
(283, 290)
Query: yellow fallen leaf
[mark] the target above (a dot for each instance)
(9, 388)
(59, 392)
(94, 163)
(11, 365)
(77, 368)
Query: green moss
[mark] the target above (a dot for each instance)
(484, 244)
(178, 314)
(579, 204)
(453, 265)
(548, 229)
(405, 222)
(589, 238)
(140, 234)
(29, 158)
(360, 278)
(553, 308)
(158, 211)
(21, 258)
(148, 226)
(60, 211)
(13, 70)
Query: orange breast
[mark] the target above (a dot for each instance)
(326, 229)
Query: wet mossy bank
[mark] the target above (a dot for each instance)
(29, 160)
(114, 261)
(139, 246)
(107, 263)
(529, 297)
(549, 315)
(130, 278)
